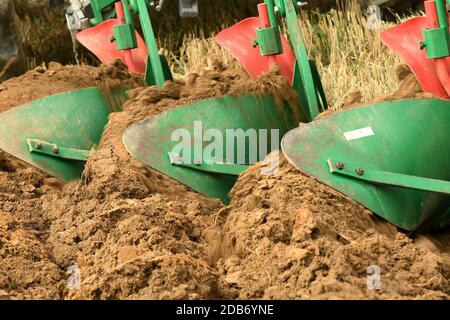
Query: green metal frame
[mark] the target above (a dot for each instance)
(157, 68)
(98, 8)
(125, 34)
(269, 41)
(218, 167)
(437, 40)
(373, 176)
(56, 150)
(307, 85)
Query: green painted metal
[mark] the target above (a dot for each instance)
(321, 96)
(299, 86)
(304, 80)
(405, 137)
(55, 150)
(281, 8)
(100, 14)
(127, 11)
(70, 121)
(370, 175)
(442, 13)
(437, 40)
(269, 41)
(213, 166)
(153, 140)
(155, 69)
(436, 43)
(271, 13)
(125, 36)
(149, 74)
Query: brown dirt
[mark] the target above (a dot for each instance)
(55, 78)
(27, 268)
(319, 244)
(151, 228)
(135, 233)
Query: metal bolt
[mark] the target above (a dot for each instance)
(422, 45)
(360, 171)
(55, 149)
(39, 146)
(159, 5)
(197, 162)
(340, 165)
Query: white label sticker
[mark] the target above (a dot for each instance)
(359, 133)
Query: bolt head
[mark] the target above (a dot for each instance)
(39, 146)
(55, 150)
(360, 171)
(340, 165)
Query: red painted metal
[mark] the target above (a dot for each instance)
(264, 21)
(98, 40)
(430, 9)
(404, 39)
(238, 41)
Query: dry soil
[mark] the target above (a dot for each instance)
(135, 233)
